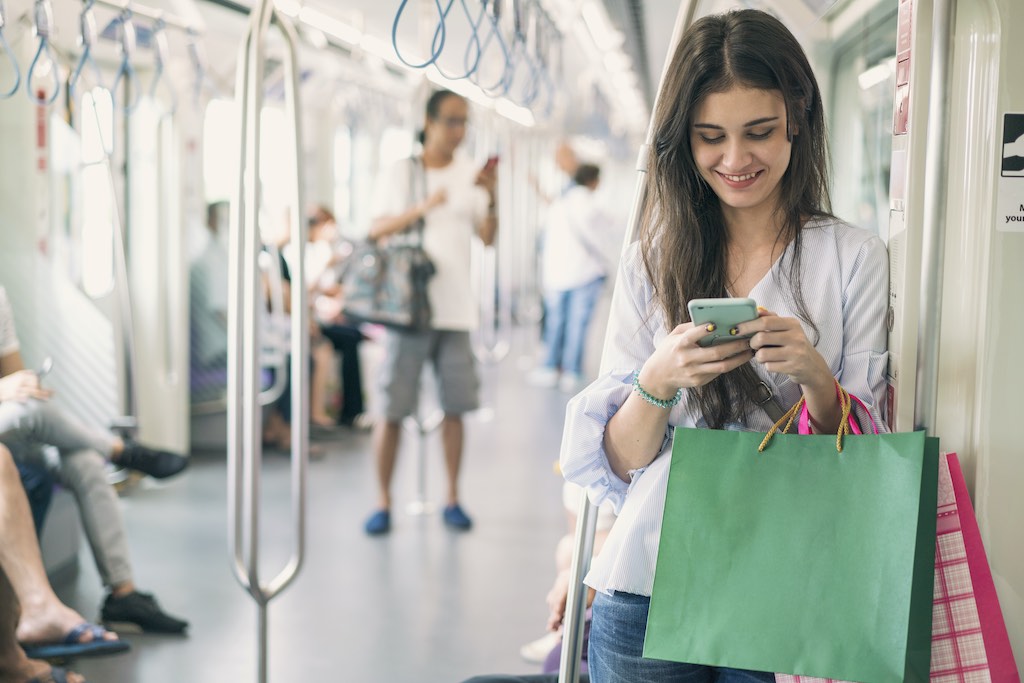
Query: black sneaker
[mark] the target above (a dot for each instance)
(137, 612)
(157, 464)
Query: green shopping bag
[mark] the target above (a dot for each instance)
(798, 559)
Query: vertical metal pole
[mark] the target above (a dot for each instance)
(934, 233)
(586, 521)
(245, 301)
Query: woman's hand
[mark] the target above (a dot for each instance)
(679, 362)
(21, 386)
(781, 346)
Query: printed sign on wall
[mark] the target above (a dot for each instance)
(1010, 202)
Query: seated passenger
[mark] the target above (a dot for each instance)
(28, 422)
(44, 625)
(325, 255)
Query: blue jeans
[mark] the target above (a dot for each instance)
(567, 316)
(617, 644)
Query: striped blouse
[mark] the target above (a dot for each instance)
(844, 282)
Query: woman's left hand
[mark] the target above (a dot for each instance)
(781, 346)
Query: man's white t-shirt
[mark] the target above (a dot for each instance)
(8, 337)
(448, 231)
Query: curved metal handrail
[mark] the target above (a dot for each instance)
(6, 48)
(586, 521)
(244, 300)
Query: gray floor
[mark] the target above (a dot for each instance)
(423, 604)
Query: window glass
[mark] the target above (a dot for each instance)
(97, 198)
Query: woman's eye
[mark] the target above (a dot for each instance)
(711, 141)
(758, 135)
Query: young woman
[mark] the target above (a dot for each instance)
(738, 207)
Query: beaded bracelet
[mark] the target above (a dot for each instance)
(653, 400)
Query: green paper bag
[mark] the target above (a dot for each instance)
(798, 559)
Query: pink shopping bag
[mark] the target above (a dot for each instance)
(969, 640)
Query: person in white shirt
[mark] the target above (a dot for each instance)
(574, 268)
(737, 206)
(454, 201)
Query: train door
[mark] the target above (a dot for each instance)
(95, 218)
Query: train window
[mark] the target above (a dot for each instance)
(863, 77)
(395, 144)
(96, 192)
(220, 150)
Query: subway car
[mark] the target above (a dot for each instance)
(171, 166)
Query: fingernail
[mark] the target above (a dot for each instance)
(711, 327)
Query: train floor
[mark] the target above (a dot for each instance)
(423, 604)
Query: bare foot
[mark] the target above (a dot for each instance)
(25, 669)
(51, 623)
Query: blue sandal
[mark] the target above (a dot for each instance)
(71, 647)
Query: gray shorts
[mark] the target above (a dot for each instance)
(454, 367)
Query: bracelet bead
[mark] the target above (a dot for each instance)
(654, 400)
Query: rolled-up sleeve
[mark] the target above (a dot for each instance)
(630, 343)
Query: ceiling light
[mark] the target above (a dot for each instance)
(347, 34)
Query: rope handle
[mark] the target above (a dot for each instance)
(845, 403)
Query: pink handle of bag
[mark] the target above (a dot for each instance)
(804, 424)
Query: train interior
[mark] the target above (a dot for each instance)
(122, 140)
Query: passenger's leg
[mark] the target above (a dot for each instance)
(460, 393)
(40, 422)
(399, 389)
(580, 310)
(44, 617)
(346, 341)
(452, 437)
(556, 305)
(15, 667)
(321, 355)
(84, 474)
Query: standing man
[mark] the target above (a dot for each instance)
(455, 201)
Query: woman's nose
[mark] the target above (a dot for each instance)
(735, 155)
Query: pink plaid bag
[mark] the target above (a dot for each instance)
(969, 640)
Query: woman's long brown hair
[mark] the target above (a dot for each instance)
(683, 237)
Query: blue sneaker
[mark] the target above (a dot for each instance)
(456, 518)
(379, 523)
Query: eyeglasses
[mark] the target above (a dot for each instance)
(453, 122)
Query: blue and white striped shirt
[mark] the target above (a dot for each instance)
(844, 281)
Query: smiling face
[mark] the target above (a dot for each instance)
(740, 148)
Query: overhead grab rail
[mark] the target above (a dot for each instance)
(42, 21)
(126, 72)
(161, 56)
(586, 520)
(525, 47)
(87, 34)
(244, 303)
(9, 53)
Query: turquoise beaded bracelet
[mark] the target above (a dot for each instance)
(653, 400)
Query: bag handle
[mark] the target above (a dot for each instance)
(800, 409)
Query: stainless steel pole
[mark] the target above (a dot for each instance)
(245, 301)
(586, 521)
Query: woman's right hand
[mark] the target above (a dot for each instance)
(21, 386)
(678, 362)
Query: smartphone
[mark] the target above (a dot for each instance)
(492, 161)
(726, 314)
